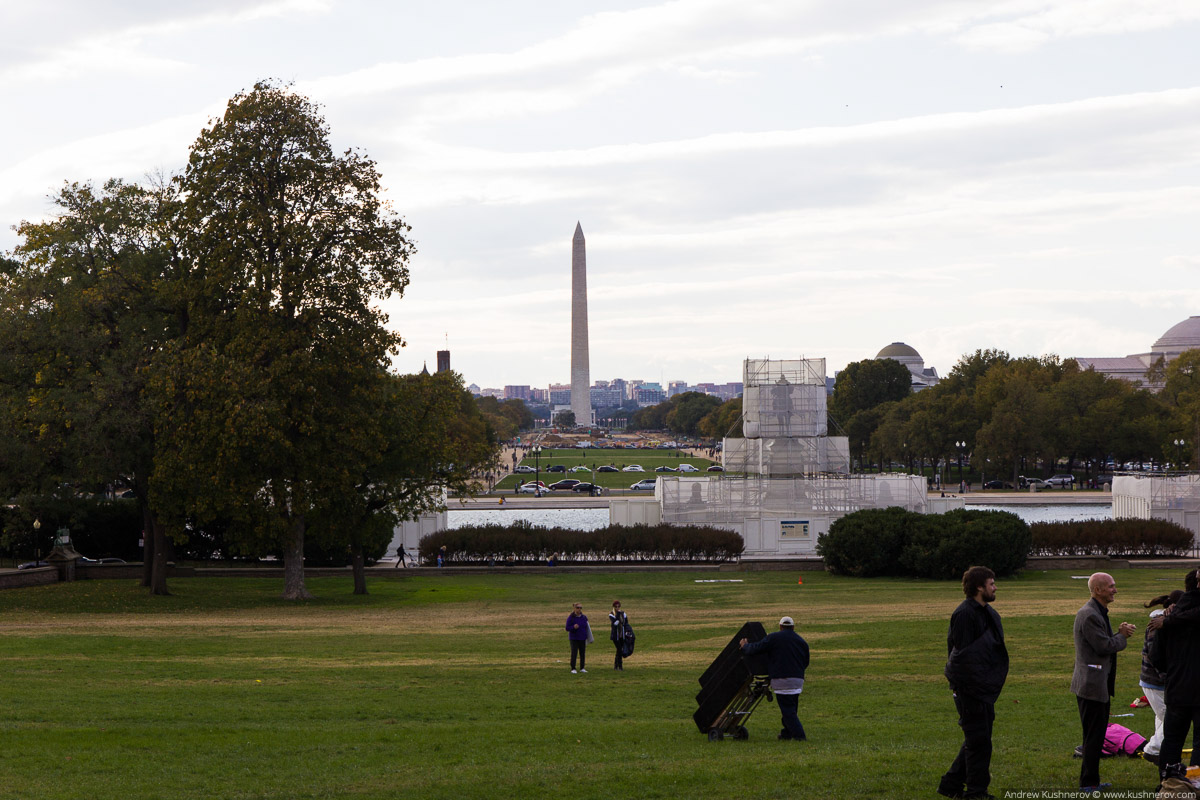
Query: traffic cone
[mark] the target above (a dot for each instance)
(800, 581)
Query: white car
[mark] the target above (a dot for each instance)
(533, 487)
(644, 484)
(687, 468)
(581, 468)
(632, 468)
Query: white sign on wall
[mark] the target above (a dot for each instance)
(793, 529)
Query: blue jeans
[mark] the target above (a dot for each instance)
(788, 703)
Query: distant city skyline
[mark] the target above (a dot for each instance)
(757, 179)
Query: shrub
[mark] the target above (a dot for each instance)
(867, 543)
(944, 546)
(527, 543)
(1111, 537)
(896, 542)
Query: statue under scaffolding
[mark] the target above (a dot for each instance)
(786, 480)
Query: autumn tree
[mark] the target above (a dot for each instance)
(86, 313)
(267, 403)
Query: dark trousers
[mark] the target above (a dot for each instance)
(1094, 717)
(578, 646)
(970, 773)
(788, 703)
(1176, 722)
(617, 662)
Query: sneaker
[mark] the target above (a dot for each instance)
(583, 670)
(572, 672)
(946, 791)
(1095, 789)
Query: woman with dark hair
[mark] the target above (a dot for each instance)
(1152, 681)
(620, 630)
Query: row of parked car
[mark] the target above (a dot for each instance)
(1063, 480)
(573, 485)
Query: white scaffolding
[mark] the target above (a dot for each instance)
(1175, 498)
(733, 500)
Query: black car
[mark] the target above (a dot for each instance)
(565, 483)
(997, 485)
(716, 468)
(590, 488)
(557, 468)
(665, 469)
(607, 468)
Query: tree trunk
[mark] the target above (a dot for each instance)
(358, 566)
(147, 544)
(158, 575)
(293, 564)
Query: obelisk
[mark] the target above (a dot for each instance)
(581, 397)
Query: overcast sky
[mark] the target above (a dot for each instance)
(758, 178)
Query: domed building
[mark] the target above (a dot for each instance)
(1178, 338)
(922, 377)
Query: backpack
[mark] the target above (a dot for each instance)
(1120, 741)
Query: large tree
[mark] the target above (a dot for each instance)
(267, 402)
(86, 313)
(865, 384)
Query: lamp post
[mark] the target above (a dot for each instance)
(537, 470)
(1179, 443)
(594, 487)
(37, 540)
(961, 446)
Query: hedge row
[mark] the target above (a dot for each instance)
(484, 544)
(1111, 537)
(892, 541)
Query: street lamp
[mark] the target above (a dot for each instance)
(37, 540)
(1179, 443)
(537, 470)
(961, 446)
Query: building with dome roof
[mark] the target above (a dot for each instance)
(1182, 336)
(922, 377)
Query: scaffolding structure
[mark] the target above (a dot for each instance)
(731, 501)
(1175, 498)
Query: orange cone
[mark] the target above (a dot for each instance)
(800, 581)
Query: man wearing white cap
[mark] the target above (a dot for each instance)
(787, 658)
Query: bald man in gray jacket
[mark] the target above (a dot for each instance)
(1094, 679)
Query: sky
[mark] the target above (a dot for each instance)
(760, 178)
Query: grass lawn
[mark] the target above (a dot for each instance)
(570, 457)
(457, 687)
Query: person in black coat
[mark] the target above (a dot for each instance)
(1175, 652)
(787, 659)
(976, 666)
(619, 622)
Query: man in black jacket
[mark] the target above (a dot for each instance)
(1175, 652)
(787, 659)
(976, 666)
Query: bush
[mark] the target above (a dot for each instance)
(946, 545)
(528, 543)
(1111, 537)
(866, 544)
(896, 542)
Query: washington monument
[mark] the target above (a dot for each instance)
(581, 398)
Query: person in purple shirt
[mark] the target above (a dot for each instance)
(577, 634)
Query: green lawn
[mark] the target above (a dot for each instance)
(445, 686)
(570, 457)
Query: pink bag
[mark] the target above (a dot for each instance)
(1120, 741)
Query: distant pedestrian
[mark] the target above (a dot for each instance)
(441, 556)
(1094, 680)
(401, 556)
(976, 666)
(621, 635)
(578, 634)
